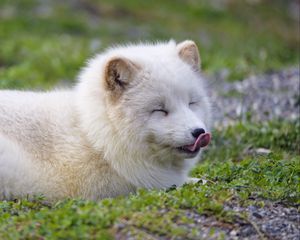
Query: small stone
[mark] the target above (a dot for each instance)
(257, 215)
(233, 233)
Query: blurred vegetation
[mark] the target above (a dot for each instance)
(45, 42)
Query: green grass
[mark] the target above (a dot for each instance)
(43, 43)
(233, 170)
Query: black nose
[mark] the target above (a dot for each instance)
(197, 132)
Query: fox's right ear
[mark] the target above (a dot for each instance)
(189, 53)
(119, 72)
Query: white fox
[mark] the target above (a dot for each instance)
(137, 118)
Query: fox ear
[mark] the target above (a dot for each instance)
(188, 52)
(119, 72)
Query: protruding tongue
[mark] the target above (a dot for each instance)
(202, 141)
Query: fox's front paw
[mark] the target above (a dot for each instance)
(196, 180)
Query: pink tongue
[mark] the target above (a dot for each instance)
(202, 141)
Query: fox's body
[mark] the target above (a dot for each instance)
(43, 150)
(109, 135)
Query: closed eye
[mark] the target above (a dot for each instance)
(192, 103)
(160, 110)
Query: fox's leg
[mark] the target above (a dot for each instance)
(196, 180)
(16, 171)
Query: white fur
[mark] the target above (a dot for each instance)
(76, 143)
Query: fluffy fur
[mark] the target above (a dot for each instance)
(117, 130)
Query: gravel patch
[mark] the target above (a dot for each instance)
(271, 221)
(257, 98)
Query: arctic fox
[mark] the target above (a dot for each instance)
(137, 118)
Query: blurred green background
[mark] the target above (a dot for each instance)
(46, 42)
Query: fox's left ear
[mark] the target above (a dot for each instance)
(188, 52)
(119, 72)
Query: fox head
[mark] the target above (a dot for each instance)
(159, 98)
(146, 105)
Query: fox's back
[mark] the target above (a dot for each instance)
(35, 119)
